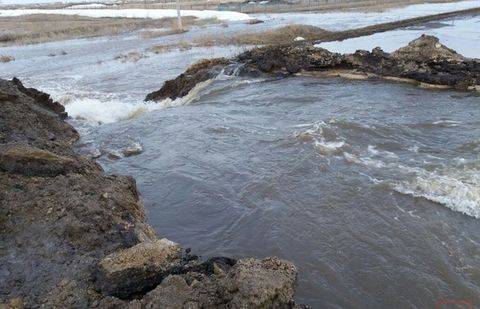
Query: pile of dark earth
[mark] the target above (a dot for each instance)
(72, 236)
(425, 61)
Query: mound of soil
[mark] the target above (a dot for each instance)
(424, 61)
(72, 236)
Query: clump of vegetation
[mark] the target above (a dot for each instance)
(6, 58)
(150, 34)
(7, 37)
(164, 48)
(280, 35)
(61, 53)
(130, 57)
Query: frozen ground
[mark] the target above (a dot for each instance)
(461, 35)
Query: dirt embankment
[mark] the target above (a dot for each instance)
(425, 62)
(73, 237)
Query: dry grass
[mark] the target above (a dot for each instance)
(281, 35)
(172, 26)
(159, 49)
(6, 58)
(150, 34)
(45, 28)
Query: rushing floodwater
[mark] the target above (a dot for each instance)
(337, 176)
(372, 189)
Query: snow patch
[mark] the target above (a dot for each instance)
(132, 13)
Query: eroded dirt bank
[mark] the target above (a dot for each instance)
(425, 61)
(72, 236)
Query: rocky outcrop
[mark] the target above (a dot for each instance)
(138, 269)
(250, 283)
(181, 86)
(425, 60)
(73, 237)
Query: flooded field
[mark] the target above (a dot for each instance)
(366, 186)
(461, 35)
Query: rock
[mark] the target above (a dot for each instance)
(137, 269)
(267, 283)
(41, 98)
(35, 162)
(14, 303)
(254, 21)
(250, 283)
(29, 117)
(132, 150)
(299, 39)
(426, 48)
(54, 221)
(181, 86)
(173, 292)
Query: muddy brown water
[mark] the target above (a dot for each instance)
(361, 184)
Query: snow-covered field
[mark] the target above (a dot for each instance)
(349, 20)
(132, 13)
(461, 35)
(329, 21)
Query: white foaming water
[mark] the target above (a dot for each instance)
(324, 138)
(100, 112)
(446, 123)
(382, 153)
(328, 148)
(453, 183)
(455, 186)
(458, 189)
(97, 110)
(189, 98)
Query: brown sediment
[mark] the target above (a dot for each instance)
(73, 237)
(425, 62)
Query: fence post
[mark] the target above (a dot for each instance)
(179, 17)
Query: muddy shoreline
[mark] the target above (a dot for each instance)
(72, 236)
